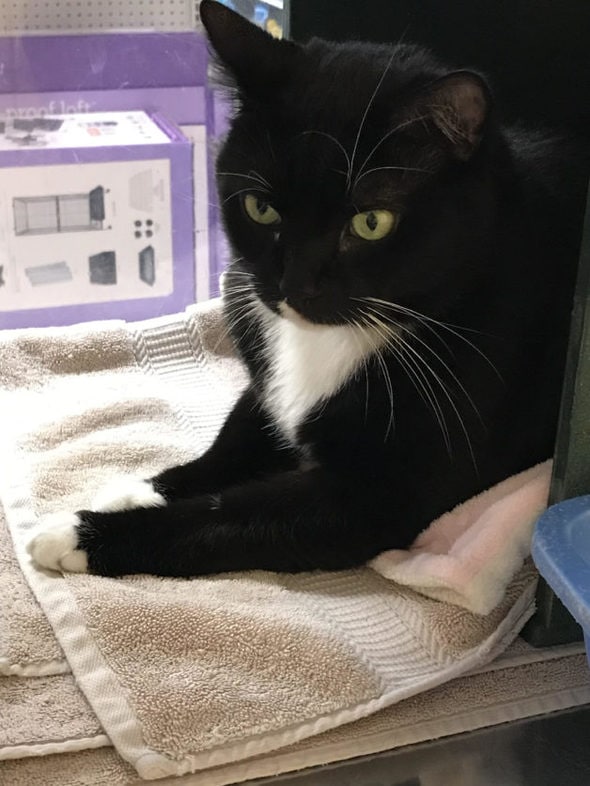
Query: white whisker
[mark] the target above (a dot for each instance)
(336, 142)
(398, 168)
(415, 374)
(257, 178)
(445, 390)
(447, 368)
(413, 361)
(453, 329)
(381, 141)
(261, 179)
(245, 312)
(385, 373)
(364, 363)
(364, 117)
(243, 191)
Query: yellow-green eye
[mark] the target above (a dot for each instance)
(373, 224)
(260, 211)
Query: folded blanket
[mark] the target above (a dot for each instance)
(184, 675)
(469, 556)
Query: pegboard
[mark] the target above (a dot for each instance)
(55, 16)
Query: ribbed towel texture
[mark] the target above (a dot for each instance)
(185, 675)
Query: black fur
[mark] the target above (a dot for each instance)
(487, 244)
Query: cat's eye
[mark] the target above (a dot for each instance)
(373, 224)
(260, 211)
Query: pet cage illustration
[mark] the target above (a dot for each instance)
(40, 215)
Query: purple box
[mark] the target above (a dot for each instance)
(96, 219)
(101, 61)
(163, 73)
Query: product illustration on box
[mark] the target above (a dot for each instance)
(96, 236)
(94, 231)
(147, 265)
(54, 273)
(103, 268)
(19, 132)
(40, 215)
(112, 74)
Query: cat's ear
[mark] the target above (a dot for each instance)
(255, 60)
(458, 105)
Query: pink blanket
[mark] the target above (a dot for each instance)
(469, 556)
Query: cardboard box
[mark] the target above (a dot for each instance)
(157, 72)
(96, 218)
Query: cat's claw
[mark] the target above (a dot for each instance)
(54, 545)
(127, 492)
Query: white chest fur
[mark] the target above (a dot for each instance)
(309, 364)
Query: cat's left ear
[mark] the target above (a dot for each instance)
(257, 62)
(458, 105)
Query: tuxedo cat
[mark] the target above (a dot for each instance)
(400, 295)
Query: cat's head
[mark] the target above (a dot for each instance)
(352, 173)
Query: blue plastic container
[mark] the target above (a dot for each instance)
(561, 551)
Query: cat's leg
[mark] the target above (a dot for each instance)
(294, 521)
(245, 448)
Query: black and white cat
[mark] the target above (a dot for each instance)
(401, 298)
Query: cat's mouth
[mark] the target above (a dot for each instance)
(288, 312)
(304, 315)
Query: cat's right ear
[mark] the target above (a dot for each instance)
(256, 61)
(457, 106)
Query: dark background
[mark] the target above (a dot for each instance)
(535, 53)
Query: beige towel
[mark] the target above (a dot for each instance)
(27, 645)
(521, 683)
(184, 675)
(44, 716)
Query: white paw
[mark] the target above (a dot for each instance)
(126, 492)
(54, 545)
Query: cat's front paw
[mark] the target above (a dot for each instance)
(127, 492)
(55, 544)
